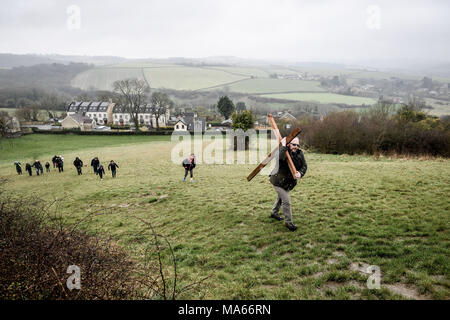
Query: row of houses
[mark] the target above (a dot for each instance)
(102, 112)
(88, 115)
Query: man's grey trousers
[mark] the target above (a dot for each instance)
(284, 200)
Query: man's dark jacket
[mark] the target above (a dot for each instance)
(78, 163)
(283, 178)
(112, 166)
(95, 163)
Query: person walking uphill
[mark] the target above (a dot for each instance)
(79, 165)
(54, 161)
(94, 164)
(100, 171)
(60, 164)
(112, 166)
(37, 166)
(283, 182)
(18, 167)
(47, 167)
(28, 168)
(189, 165)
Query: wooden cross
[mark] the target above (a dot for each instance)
(271, 155)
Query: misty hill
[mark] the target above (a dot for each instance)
(45, 76)
(8, 60)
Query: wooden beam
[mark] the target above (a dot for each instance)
(288, 156)
(271, 155)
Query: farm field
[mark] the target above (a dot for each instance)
(440, 108)
(103, 78)
(322, 98)
(259, 86)
(188, 78)
(352, 212)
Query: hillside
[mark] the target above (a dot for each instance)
(352, 212)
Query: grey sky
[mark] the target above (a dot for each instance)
(321, 30)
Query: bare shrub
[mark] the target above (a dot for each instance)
(37, 246)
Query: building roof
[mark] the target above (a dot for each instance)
(79, 118)
(88, 106)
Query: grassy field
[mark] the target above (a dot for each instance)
(440, 108)
(188, 78)
(259, 86)
(352, 211)
(102, 78)
(322, 98)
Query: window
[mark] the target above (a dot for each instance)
(177, 127)
(182, 126)
(146, 116)
(115, 116)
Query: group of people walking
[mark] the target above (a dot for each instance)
(281, 177)
(29, 167)
(58, 162)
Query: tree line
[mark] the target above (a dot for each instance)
(381, 129)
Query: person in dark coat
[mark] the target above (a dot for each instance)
(100, 171)
(283, 182)
(37, 166)
(47, 167)
(94, 164)
(79, 165)
(54, 160)
(189, 165)
(60, 164)
(28, 168)
(112, 166)
(18, 167)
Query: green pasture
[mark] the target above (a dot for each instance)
(102, 78)
(322, 98)
(352, 212)
(260, 86)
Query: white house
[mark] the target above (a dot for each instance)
(101, 112)
(180, 125)
(147, 116)
(78, 120)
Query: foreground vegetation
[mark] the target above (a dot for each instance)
(352, 211)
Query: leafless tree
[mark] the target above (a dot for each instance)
(131, 94)
(160, 101)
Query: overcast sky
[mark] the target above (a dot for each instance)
(295, 30)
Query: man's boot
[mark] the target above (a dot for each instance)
(276, 217)
(291, 226)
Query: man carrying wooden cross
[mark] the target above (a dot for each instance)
(283, 181)
(291, 167)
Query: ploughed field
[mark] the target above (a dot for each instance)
(352, 212)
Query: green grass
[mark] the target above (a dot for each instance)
(188, 78)
(170, 77)
(322, 98)
(37, 145)
(102, 78)
(393, 213)
(259, 86)
(246, 71)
